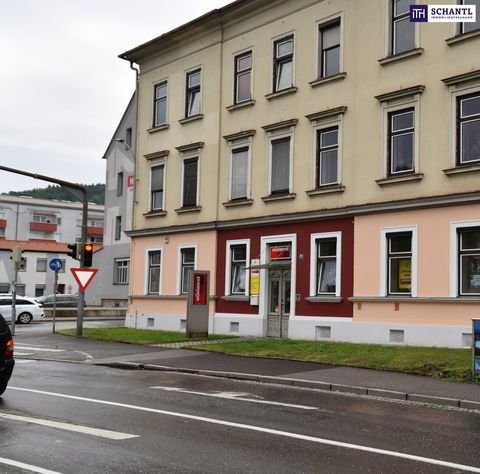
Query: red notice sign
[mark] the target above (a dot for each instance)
(279, 251)
(130, 181)
(83, 276)
(199, 288)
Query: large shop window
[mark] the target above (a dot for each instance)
(283, 64)
(468, 129)
(187, 264)
(399, 262)
(154, 267)
(469, 261)
(402, 29)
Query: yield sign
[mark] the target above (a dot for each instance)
(83, 276)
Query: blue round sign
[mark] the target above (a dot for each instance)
(55, 264)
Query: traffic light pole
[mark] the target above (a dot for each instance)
(80, 193)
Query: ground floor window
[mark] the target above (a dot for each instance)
(39, 290)
(187, 265)
(469, 261)
(120, 276)
(399, 262)
(325, 251)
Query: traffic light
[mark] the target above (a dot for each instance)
(18, 260)
(87, 255)
(75, 250)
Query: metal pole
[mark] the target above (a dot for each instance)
(55, 287)
(81, 294)
(14, 300)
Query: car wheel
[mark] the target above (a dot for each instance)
(24, 318)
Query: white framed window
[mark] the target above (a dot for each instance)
(467, 129)
(465, 258)
(403, 32)
(240, 159)
(243, 66)
(120, 271)
(237, 276)
(157, 187)
(398, 261)
(190, 180)
(160, 104)
(154, 271)
(470, 26)
(401, 132)
(283, 63)
(193, 93)
(327, 156)
(187, 262)
(330, 47)
(325, 264)
(280, 163)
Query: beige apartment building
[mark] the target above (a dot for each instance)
(321, 159)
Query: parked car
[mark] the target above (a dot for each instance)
(27, 309)
(63, 301)
(6, 354)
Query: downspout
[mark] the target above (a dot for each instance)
(135, 148)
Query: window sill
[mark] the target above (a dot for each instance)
(324, 299)
(235, 298)
(328, 189)
(462, 37)
(278, 197)
(185, 210)
(238, 202)
(325, 80)
(462, 169)
(288, 91)
(414, 299)
(241, 105)
(405, 178)
(193, 118)
(155, 213)
(159, 128)
(401, 56)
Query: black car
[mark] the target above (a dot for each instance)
(6, 354)
(62, 301)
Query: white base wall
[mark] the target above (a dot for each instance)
(320, 329)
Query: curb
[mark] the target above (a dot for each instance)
(350, 389)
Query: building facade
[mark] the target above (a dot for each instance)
(325, 173)
(42, 228)
(113, 259)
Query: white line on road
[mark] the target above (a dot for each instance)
(260, 429)
(25, 347)
(17, 353)
(23, 361)
(28, 467)
(115, 435)
(235, 396)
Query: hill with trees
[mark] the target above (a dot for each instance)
(95, 193)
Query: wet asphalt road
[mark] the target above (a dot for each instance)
(155, 422)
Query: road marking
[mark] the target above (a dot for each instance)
(260, 429)
(17, 353)
(23, 361)
(28, 467)
(234, 396)
(115, 435)
(26, 347)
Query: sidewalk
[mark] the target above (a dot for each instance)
(275, 371)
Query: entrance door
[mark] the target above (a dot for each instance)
(278, 302)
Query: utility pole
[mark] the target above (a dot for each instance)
(80, 193)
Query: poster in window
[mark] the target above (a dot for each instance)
(405, 274)
(475, 272)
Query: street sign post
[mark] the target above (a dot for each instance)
(55, 265)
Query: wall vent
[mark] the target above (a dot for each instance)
(397, 335)
(150, 322)
(234, 326)
(467, 340)
(323, 332)
(183, 324)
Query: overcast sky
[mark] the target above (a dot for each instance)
(63, 89)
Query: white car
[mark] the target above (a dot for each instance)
(26, 309)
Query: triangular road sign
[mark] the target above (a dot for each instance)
(83, 276)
